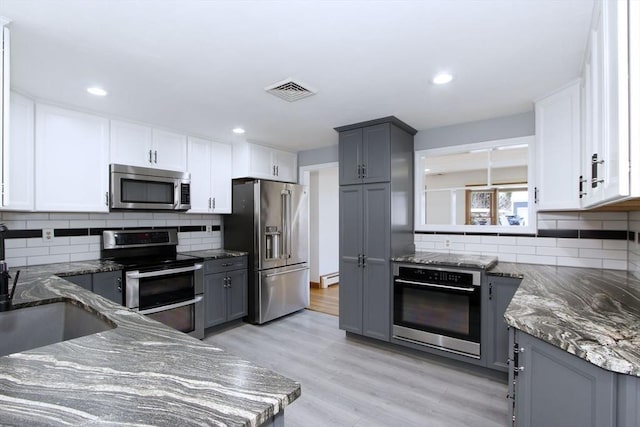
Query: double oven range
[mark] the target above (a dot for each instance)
(159, 282)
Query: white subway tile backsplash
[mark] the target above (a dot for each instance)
(580, 225)
(603, 254)
(537, 241)
(580, 243)
(47, 259)
(579, 262)
(605, 216)
(547, 224)
(27, 252)
(56, 241)
(473, 247)
(559, 215)
(71, 249)
(615, 244)
(559, 252)
(498, 240)
(84, 256)
(509, 249)
(34, 251)
(39, 224)
(614, 225)
(68, 216)
(536, 259)
(614, 264)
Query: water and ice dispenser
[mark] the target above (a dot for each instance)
(272, 242)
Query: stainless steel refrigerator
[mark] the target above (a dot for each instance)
(270, 221)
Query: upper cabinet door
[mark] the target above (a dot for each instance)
(18, 156)
(286, 165)
(198, 159)
(71, 161)
(261, 162)
(376, 153)
(169, 150)
(220, 178)
(558, 149)
(131, 144)
(350, 156)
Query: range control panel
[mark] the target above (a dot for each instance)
(437, 276)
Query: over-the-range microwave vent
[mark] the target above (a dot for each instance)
(290, 90)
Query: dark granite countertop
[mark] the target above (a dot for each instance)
(591, 313)
(452, 260)
(140, 373)
(215, 253)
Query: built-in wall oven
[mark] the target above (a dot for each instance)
(438, 307)
(159, 283)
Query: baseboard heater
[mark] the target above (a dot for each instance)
(329, 279)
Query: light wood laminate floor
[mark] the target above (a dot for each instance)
(348, 382)
(325, 300)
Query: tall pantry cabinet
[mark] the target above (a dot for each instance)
(376, 220)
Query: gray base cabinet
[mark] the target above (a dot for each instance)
(495, 347)
(376, 171)
(550, 387)
(225, 290)
(107, 284)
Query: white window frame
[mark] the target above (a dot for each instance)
(419, 200)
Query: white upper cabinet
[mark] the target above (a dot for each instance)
(558, 149)
(18, 156)
(210, 166)
(169, 150)
(71, 161)
(606, 143)
(4, 99)
(257, 161)
(139, 145)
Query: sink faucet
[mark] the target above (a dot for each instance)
(5, 296)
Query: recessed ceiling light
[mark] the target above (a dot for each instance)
(442, 78)
(98, 91)
(239, 131)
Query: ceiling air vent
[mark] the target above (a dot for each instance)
(289, 90)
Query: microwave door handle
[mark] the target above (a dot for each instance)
(176, 196)
(171, 306)
(136, 275)
(433, 285)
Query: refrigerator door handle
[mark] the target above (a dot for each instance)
(285, 224)
(286, 272)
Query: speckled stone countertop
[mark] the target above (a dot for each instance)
(591, 313)
(140, 373)
(215, 253)
(453, 260)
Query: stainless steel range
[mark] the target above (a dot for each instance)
(159, 282)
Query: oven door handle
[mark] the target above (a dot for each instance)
(136, 275)
(433, 285)
(171, 306)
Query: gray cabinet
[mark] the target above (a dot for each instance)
(365, 285)
(225, 290)
(365, 155)
(107, 284)
(499, 292)
(551, 387)
(376, 162)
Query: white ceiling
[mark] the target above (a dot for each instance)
(201, 66)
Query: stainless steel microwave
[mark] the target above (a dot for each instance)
(134, 187)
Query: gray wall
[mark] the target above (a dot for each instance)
(484, 130)
(318, 156)
(513, 126)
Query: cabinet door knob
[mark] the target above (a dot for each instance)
(106, 198)
(155, 156)
(150, 158)
(119, 283)
(213, 202)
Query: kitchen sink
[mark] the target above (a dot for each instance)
(31, 327)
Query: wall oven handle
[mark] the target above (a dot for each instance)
(286, 272)
(136, 275)
(171, 306)
(433, 285)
